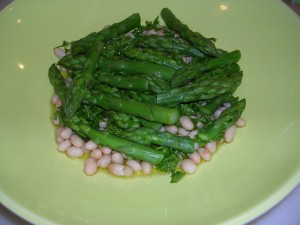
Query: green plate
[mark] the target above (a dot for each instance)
(244, 179)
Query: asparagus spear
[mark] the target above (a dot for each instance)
(124, 82)
(195, 38)
(188, 73)
(204, 89)
(147, 111)
(168, 44)
(122, 145)
(216, 129)
(137, 67)
(149, 137)
(78, 87)
(81, 46)
(152, 56)
(58, 82)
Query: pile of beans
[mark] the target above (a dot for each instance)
(119, 165)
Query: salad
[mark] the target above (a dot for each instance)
(133, 98)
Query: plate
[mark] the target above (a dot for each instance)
(244, 179)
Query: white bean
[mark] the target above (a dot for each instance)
(183, 132)
(171, 129)
(96, 154)
(64, 145)
(217, 113)
(59, 53)
(90, 145)
(128, 172)
(230, 133)
(76, 141)
(56, 122)
(104, 161)
(204, 153)
(135, 165)
(188, 166)
(75, 152)
(240, 122)
(105, 150)
(117, 158)
(58, 103)
(186, 123)
(146, 168)
(59, 138)
(90, 166)
(193, 133)
(66, 133)
(162, 129)
(199, 125)
(54, 99)
(195, 157)
(116, 169)
(211, 146)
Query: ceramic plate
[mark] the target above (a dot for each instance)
(244, 179)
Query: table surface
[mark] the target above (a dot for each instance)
(285, 212)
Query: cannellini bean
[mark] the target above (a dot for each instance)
(183, 132)
(146, 168)
(192, 134)
(66, 133)
(64, 145)
(128, 172)
(188, 166)
(218, 112)
(58, 103)
(186, 123)
(187, 59)
(195, 157)
(59, 139)
(199, 125)
(63, 69)
(56, 122)
(59, 53)
(54, 99)
(135, 165)
(75, 152)
(117, 158)
(116, 169)
(204, 153)
(96, 154)
(90, 145)
(76, 141)
(124, 156)
(104, 161)
(90, 166)
(211, 146)
(171, 129)
(105, 150)
(230, 133)
(240, 122)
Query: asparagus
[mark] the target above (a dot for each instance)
(122, 145)
(205, 89)
(152, 56)
(58, 82)
(124, 82)
(149, 137)
(146, 111)
(78, 87)
(168, 44)
(113, 31)
(188, 73)
(217, 128)
(137, 67)
(195, 38)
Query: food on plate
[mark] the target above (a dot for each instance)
(132, 98)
